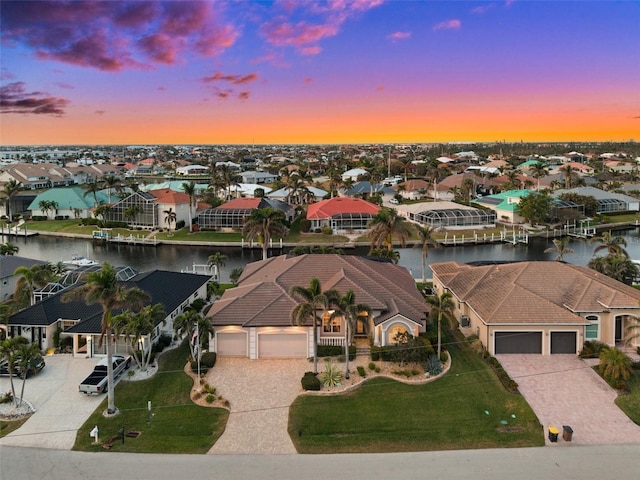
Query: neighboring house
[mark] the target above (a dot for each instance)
(36, 176)
(283, 193)
(8, 265)
(447, 215)
(445, 189)
(254, 319)
(353, 174)
(504, 205)
(38, 323)
(149, 208)
(538, 307)
(580, 168)
(73, 202)
(607, 201)
(364, 189)
(245, 190)
(234, 213)
(253, 176)
(342, 214)
(192, 170)
(414, 189)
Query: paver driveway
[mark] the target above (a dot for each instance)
(60, 408)
(259, 392)
(564, 390)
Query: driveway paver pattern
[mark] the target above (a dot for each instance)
(564, 390)
(260, 393)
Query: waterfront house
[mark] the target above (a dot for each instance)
(342, 214)
(234, 213)
(8, 265)
(71, 202)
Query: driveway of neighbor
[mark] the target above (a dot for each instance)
(60, 408)
(259, 393)
(564, 390)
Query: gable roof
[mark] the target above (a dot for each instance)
(9, 263)
(166, 195)
(262, 296)
(335, 206)
(534, 292)
(69, 197)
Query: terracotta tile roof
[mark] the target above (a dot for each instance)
(335, 206)
(242, 203)
(262, 298)
(534, 292)
(166, 195)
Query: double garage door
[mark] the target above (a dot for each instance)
(234, 344)
(531, 342)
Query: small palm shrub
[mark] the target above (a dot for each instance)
(332, 376)
(434, 366)
(593, 349)
(615, 366)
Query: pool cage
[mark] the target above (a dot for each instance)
(344, 222)
(456, 217)
(138, 210)
(214, 218)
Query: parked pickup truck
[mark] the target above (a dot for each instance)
(96, 382)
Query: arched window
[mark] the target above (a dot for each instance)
(591, 331)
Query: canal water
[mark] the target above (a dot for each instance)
(179, 258)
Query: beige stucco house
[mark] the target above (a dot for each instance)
(539, 307)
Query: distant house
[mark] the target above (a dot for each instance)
(504, 204)
(354, 174)
(235, 213)
(342, 214)
(414, 189)
(607, 201)
(38, 323)
(254, 319)
(72, 202)
(283, 194)
(444, 214)
(538, 307)
(364, 189)
(192, 170)
(253, 176)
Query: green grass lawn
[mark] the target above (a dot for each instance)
(8, 426)
(177, 425)
(630, 403)
(387, 416)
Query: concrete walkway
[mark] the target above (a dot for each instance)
(60, 408)
(260, 393)
(564, 390)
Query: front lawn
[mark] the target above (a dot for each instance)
(177, 424)
(8, 426)
(467, 408)
(630, 403)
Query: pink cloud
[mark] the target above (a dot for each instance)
(281, 33)
(113, 36)
(244, 95)
(6, 75)
(14, 99)
(309, 51)
(483, 8)
(99, 112)
(64, 85)
(395, 36)
(452, 24)
(233, 79)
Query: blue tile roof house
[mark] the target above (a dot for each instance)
(72, 202)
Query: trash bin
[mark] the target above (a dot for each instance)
(567, 433)
(553, 434)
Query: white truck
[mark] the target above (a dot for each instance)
(97, 380)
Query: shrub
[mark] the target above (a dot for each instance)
(372, 366)
(208, 359)
(335, 351)
(444, 356)
(310, 381)
(164, 340)
(593, 349)
(507, 382)
(377, 369)
(361, 371)
(638, 350)
(56, 338)
(332, 375)
(327, 230)
(375, 353)
(305, 225)
(180, 224)
(210, 398)
(198, 304)
(434, 365)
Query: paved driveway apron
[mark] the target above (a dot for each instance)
(60, 408)
(260, 393)
(564, 390)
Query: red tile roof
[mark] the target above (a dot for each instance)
(335, 206)
(166, 195)
(241, 203)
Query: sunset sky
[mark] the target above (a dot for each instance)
(336, 71)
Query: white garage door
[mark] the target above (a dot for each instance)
(232, 344)
(282, 345)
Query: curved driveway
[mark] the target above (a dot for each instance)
(564, 390)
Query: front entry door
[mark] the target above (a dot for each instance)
(619, 329)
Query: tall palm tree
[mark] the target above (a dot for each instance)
(135, 326)
(9, 353)
(613, 245)
(346, 307)
(112, 182)
(29, 279)
(264, 223)
(616, 266)
(190, 323)
(27, 354)
(568, 172)
(539, 170)
(441, 309)
(425, 238)
(311, 299)
(218, 260)
(560, 248)
(190, 189)
(92, 188)
(386, 225)
(8, 192)
(130, 213)
(169, 217)
(102, 287)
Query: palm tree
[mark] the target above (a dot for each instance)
(425, 237)
(190, 189)
(386, 225)
(10, 190)
(191, 324)
(46, 205)
(102, 287)
(92, 188)
(170, 217)
(130, 213)
(560, 248)
(9, 353)
(615, 364)
(112, 182)
(569, 173)
(102, 212)
(346, 307)
(311, 298)
(539, 170)
(613, 245)
(135, 326)
(28, 355)
(9, 249)
(29, 278)
(218, 260)
(441, 308)
(615, 266)
(264, 223)
(383, 253)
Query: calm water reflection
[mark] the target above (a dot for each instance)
(177, 258)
